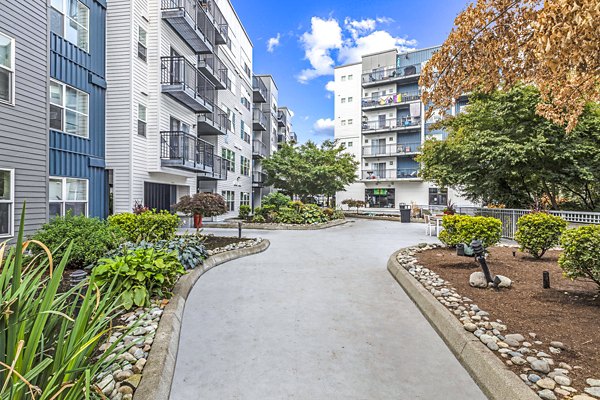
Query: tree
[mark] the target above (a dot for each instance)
(554, 45)
(500, 151)
(310, 170)
(352, 203)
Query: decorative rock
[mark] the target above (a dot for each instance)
(511, 342)
(485, 338)
(582, 397)
(492, 345)
(125, 389)
(558, 345)
(546, 394)
(594, 391)
(555, 350)
(565, 366)
(533, 378)
(133, 381)
(542, 354)
(518, 360)
(123, 375)
(477, 279)
(546, 383)
(107, 385)
(541, 366)
(593, 382)
(516, 336)
(470, 327)
(562, 392)
(504, 281)
(139, 366)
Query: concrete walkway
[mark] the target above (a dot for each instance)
(317, 316)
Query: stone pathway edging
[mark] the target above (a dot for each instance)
(277, 227)
(493, 377)
(158, 372)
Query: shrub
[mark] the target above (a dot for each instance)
(51, 338)
(276, 199)
(205, 204)
(92, 239)
(143, 273)
(149, 226)
(465, 228)
(312, 214)
(287, 215)
(352, 203)
(338, 214)
(581, 258)
(328, 212)
(268, 212)
(537, 232)
(259, 219)
(244, 211)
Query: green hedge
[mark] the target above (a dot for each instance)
(149, 226)
(465, 228)
(581, 256)
(537, 232)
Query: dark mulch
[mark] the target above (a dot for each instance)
(214, 242)
(569, 312)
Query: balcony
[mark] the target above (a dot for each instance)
(213, 69)
(213, 123)
(221, 25)
(259, 90)
(391, 100)
(259, 120)
(189, 18)
(293, 137)
(181, 80)
(387, 150)
(391, 125)
(183, 150)
(430, 132)
(259, 179)
(391, 74)
(410, 174)
(218, 172)
(259, 149)
(281, 119)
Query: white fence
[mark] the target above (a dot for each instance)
(509, 217)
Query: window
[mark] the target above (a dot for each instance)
(141, 120)
(71, 20)
(343, 100)
(350, 99)
(343, 122)
(349, 144)
(350, 77)
(244, 166)
(142, 44)
(229, 155)
(7, 201)
(68, 109)
(247, 70)
(244, 199)
(350, 122)
(7, 68)
(343, 78)
(229, 197)
(438, 196)
(68, 195)
(245, 102)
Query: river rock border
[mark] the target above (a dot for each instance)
(158, 373)
(276, 227)
(495, 379)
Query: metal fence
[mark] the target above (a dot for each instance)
(509, 217)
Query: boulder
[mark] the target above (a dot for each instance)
(477, 279)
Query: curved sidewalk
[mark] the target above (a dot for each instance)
(317, 316)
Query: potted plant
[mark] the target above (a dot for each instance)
(201, 205)
(450, 209)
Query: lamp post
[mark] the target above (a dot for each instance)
(479, 252)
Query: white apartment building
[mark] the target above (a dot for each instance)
(379, 117)
(179, 102)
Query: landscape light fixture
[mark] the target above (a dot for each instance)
(479, 252)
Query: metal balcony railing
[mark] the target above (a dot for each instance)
(259, 90)
(293, 137)
(259, 179)
(191, 20)
(390, 73)
(214, 123)
(392, 124)
(281, 119)
(382, 174)
(182, 80)
(259, 149)
(183, 150)
(391, 100)
(221, 25)
(214, 69)
(396, 149)
(259, 120)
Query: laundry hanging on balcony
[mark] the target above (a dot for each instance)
(393, 99)
(415, 109)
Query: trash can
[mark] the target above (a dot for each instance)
(404, 212)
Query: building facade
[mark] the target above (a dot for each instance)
(179, 103)
(23, 116)
(379, 117)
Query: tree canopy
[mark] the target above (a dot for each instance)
(497, 44)
(310, 170)
(501, 152)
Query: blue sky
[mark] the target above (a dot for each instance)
(300, 42)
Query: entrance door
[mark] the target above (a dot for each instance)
(381, 121)
(379, 170)
(159, 196)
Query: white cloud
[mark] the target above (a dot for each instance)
(273, 42)
(330, 86)
(324, 36)
(328, 44)
(324, 124)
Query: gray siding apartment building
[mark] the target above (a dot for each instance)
(23, 115)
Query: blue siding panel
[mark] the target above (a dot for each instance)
(73, 156)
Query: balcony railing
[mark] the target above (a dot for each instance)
(183, 150)
(259, 149)
(182, 80)
(259, 179)
(259, 120)
(190, 19)
(213, 123)
(259, 90)
(281, 119)
(213, 69)
(391, 73)
(390, 174)
(391, 100)
(396, 149)
(293, 137)
(221, 25)
(392, 124)
(218, 172)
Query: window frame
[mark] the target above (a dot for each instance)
(11, 202)
(63, 202)
(142, 122)
(244, 199)
(65, 5)
(63, 108)
(229, 155)
(230, 202)
(244, 166)
(142, 55)
(11, 71)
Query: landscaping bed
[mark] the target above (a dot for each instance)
(568, 312)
